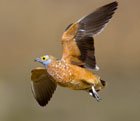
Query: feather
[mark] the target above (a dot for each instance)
(42, 86)
(78, 39)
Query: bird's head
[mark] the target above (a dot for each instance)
(45, 60)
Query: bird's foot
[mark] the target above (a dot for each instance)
(94, 93)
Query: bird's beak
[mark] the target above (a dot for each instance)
(37, 60)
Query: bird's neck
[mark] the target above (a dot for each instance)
(50, 61)
(47, 63)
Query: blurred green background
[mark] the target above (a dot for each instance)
(31, 28)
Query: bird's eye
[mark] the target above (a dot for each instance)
(43, 58)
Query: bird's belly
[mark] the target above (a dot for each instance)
(75, 85)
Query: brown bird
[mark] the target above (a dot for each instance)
(75, 70)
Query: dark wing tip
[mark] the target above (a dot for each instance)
(113, 4)
(44, 95)
(43, 86)
(42, 103)
(43, 91)
(110, 8)
(94, 23)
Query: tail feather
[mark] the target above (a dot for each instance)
(103, 83)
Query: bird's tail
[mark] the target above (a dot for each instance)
(103, 82)
(100, 85)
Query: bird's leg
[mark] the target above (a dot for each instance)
(94, 93)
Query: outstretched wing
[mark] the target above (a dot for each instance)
(77, 40)
(43, 85)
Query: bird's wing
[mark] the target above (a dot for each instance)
(43, 85)
(77, 40)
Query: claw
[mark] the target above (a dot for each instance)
(94, 93)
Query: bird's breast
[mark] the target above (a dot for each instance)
(60, 71)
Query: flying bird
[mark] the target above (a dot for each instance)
(75, 70)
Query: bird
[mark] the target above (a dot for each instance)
(77, 68)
